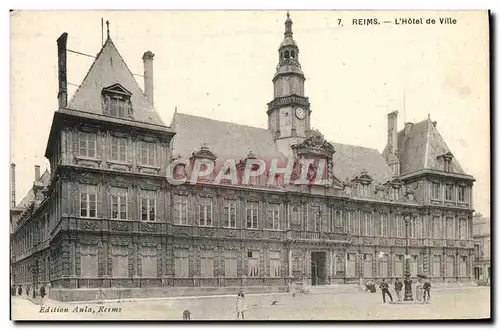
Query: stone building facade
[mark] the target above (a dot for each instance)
(482, 247)
(105, 216)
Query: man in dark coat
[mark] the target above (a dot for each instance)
(398, 287)
(385, 290)
(427, 291)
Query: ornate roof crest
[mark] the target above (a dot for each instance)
(204, 153)
(315, 144)
(363, 177)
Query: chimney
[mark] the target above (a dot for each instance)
(147, 58)
(408, 127)
(62, 95)
(392, 131)
(37, 173)
(13, 184)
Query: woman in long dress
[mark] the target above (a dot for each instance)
(419, 291)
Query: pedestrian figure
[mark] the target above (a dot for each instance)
(385, 290)
(398, 287)
(240, 305)
(427, 291)
(186, 315)
(418, 291)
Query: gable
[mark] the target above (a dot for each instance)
(421, 148)
(110, 72)
(116, 89)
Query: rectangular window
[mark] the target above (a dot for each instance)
(119, 149)
(449, 192)
(181, 262)
(384, 265)
(450, 232)
(149, 261)
(274, 264)
(368, 225)
(273, 216)
(87, 144)
(436, 227)
(117, 106)
(384, 225)
(351, 265)
(253, 263)
(450, 265)
(476, 252)
(88, 201)
(462, 228)
(364, 190)
(88, 261)
(148, 205)
(367, 265)
(118, 203)
(316, 213)
(462, 266)
(231, 263)
(351, 216)
(396, 194)
(120, 261)
(399, 265)
(252, 218)
(148, 154)
(436, 187)
(461, 194)
(207, 263)
(205, 211)
(335, 219)
(180, 210)
(229, 213)
(414, 265)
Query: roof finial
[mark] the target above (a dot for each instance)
(107, 27)
(288, 25)
(429, 116)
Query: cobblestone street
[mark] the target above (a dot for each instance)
(456, 303)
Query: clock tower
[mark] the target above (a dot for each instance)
(289, 113)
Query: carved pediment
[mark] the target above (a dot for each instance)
(116, 89)
(363, 177)
(446, 156)
(315, 145)
(204, 153)
(394, 182)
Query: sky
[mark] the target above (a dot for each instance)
(219, 64)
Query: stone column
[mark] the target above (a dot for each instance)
(290, 262)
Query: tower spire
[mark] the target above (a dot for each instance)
(288, 25)
(107, 27)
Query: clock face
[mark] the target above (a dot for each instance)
(300, 113)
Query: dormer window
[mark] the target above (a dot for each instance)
(364, 189)
(116, 102)
(447, 157)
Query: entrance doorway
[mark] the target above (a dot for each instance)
(318, 268)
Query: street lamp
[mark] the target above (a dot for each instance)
(408, 291)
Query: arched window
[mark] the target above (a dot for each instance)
(287, 55)
(293, 54)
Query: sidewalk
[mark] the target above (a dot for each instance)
(311, 290)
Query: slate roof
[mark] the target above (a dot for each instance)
(108, 69)
(225, 139)
(231, 140)
(350, 160)
(30, 196)
(420, 147)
